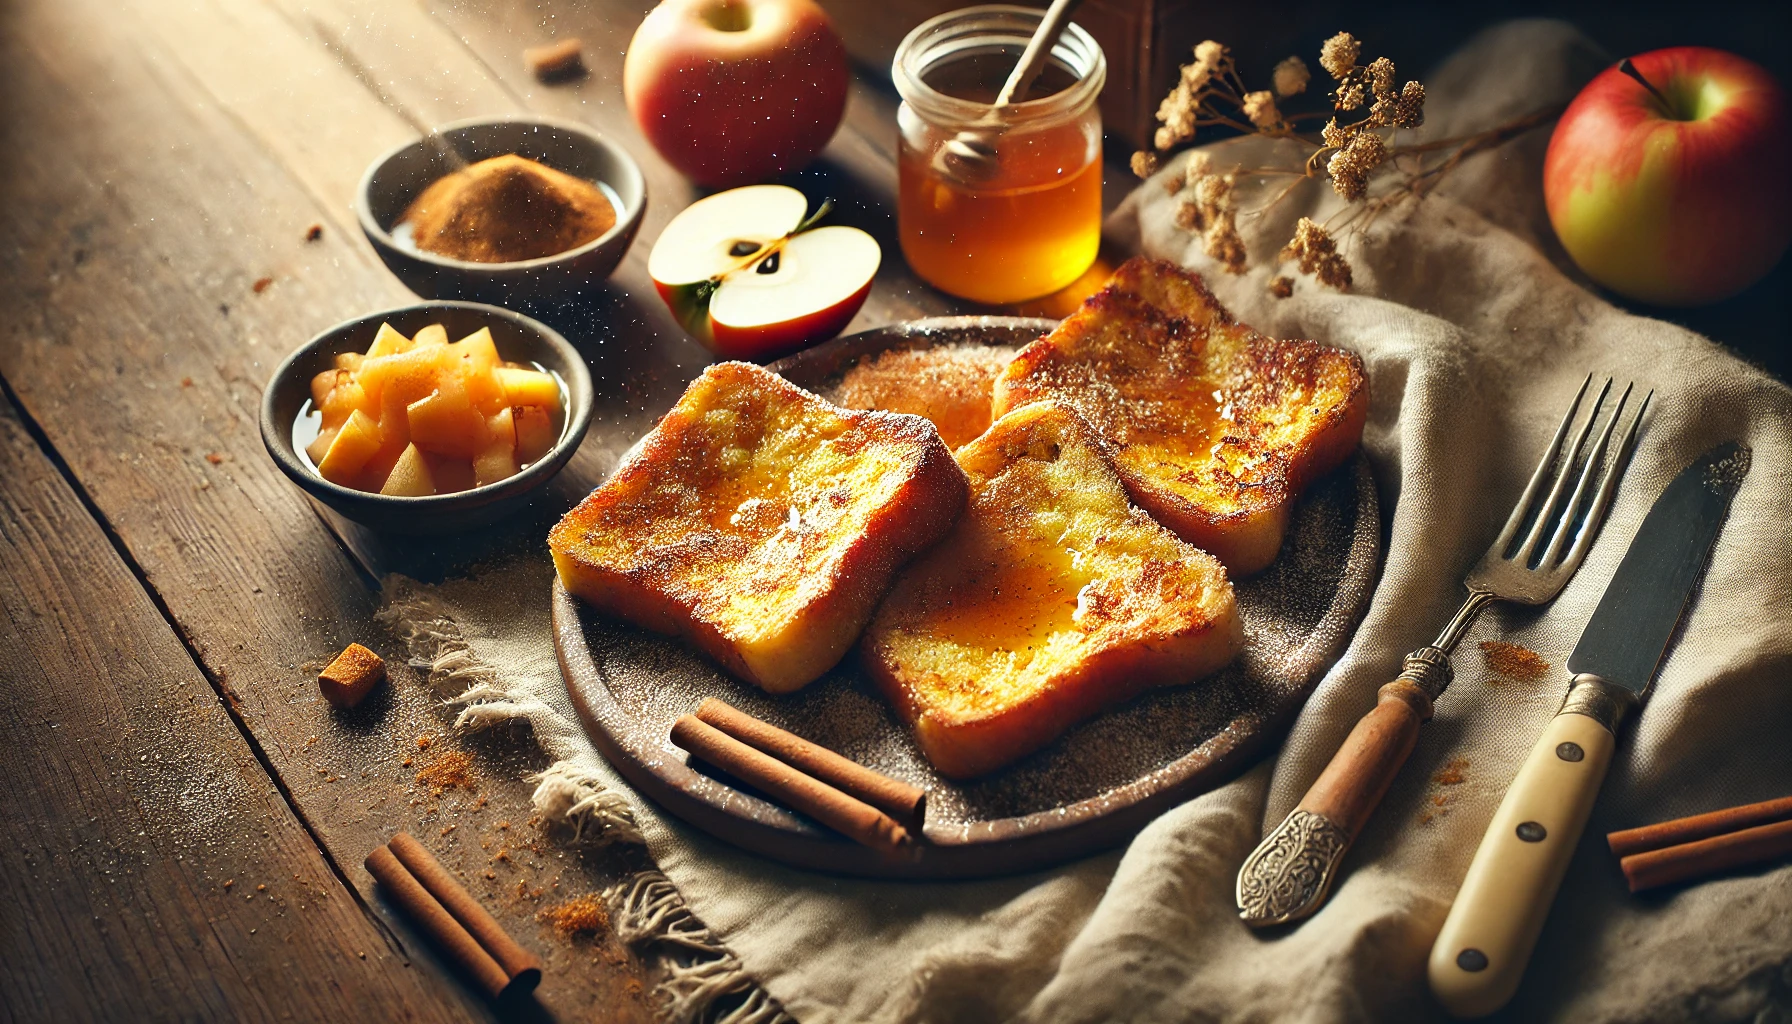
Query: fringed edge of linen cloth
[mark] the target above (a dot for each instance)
(705, 981)
(649, 914)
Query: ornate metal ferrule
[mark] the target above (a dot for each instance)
(1429, 669)
(1288, 876)
(1603, 702)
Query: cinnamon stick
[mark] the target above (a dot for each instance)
(520, 966)
(436, 922)
(1679, 863)
(845, 814)
(899, 800)
(1699, 826)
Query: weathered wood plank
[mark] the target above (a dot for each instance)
(151, 865)
(140, 210)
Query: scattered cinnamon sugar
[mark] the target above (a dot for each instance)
(1451, 773)
(314, 232)
(1513, 662)
(261, 284)
(424, 741)
(451, 770)
(952, 385)
(215, 458)
(583, 916)
(505, 209)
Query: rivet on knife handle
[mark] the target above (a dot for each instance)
(1290, 873)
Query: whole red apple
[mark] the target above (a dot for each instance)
(735, 91)
(1676, 192)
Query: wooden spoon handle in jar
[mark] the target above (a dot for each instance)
(1032, 60)
(1290, 873)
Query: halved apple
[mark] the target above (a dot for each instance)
(750, 278)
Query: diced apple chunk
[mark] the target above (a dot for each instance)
(478, 351)
(529, 387)
(410, 476)
(450, 474)
(446, 423)
(413, 374)
(387, 342)
(343, 399)
(534, 432)
(434, 334)
(498, 460)
(484, 390)
(320, 445)
(353, 445)
(323, 384)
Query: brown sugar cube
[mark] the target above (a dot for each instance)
(355, 671)
(558, 59)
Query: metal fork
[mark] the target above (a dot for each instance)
(1290, 873)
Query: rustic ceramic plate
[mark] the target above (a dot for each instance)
(1092, 789)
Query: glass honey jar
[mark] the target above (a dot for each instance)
(1025, 221)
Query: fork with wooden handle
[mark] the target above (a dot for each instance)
(1549, 531)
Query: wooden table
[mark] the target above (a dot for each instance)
(185, 819)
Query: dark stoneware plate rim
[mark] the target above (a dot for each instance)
(985, 848)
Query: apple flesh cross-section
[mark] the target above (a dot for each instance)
(743, 279)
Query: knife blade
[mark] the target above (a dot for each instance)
(1629, 632)
(1481, 952)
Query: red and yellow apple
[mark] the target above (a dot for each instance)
(748, 276)
(1673, 186)
(736, 91)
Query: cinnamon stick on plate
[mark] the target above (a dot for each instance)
(448, 914)
(845, 814)
(906, 803)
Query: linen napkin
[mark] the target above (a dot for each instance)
(1476, 333)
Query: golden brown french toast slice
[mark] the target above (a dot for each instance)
(951, 385)
(1216, 428)
(760, 523)
(1053, 598)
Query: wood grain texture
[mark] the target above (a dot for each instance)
(139, 346)
(152, 868)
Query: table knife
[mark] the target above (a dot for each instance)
(1486, 940)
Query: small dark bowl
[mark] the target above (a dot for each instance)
(518, 338)
(399, 177)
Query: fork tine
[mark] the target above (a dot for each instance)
(1608, 484)
(1548, 512)
(1595, 459)
(1516, 519)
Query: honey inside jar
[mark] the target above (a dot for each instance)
(1028, 222)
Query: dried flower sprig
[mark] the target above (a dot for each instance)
(1354, 149)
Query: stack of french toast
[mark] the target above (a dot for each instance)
(1070, 556)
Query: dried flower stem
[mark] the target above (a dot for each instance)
(1357, 155)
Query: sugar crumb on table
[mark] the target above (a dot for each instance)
(585, 915)
(451, 770)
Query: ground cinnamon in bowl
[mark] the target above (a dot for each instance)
(506, 209)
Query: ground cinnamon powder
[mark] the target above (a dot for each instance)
(1513, 661)
(505, 209)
